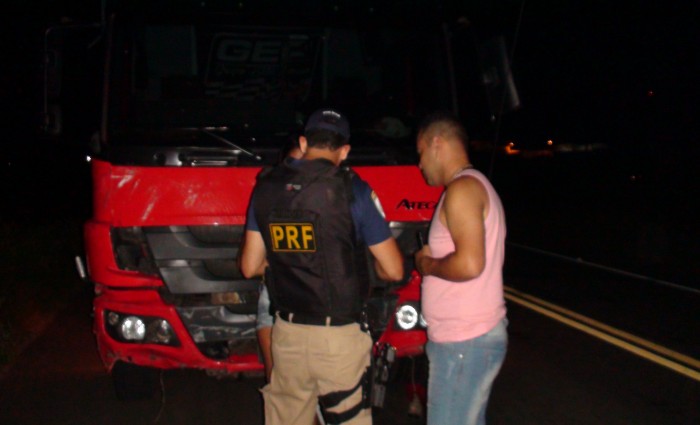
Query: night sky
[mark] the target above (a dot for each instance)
(620, 73)
(611, 72)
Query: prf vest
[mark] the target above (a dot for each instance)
(303, 213)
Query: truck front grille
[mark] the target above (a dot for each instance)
(201, 277)
(217, 305)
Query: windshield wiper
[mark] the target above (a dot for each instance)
(230, 143)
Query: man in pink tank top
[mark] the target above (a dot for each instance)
(462, 290)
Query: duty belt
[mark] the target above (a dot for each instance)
(311, 319)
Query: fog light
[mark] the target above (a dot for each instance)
(407, 317)
(160, 332)
(113, 318)
(133, 329)
(140, 329)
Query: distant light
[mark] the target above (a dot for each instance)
(511, 150)
(88, 158)
(550, 142)
(650, 93)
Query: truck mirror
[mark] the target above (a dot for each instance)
(52, 72)
(53, 120)
(65, 50)
(497, 78)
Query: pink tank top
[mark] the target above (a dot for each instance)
(458, 311)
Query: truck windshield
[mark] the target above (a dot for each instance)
(173, 84)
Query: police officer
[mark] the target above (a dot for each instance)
(308, 223)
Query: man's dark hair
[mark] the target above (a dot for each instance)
(325, 139)
(444, 123)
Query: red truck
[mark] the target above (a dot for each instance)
(194, 102)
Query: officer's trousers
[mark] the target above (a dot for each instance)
(310, 361)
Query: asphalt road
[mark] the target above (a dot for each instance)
(553, 373)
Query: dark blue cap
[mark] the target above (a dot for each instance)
(329, 119)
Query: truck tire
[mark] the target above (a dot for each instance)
(134, 382)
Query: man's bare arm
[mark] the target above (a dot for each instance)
(253, 255)
(389, 260)
(464, 212)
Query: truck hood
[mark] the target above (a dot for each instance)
(167, 196)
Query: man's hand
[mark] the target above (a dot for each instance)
(423, 259)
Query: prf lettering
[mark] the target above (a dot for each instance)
(293, 237)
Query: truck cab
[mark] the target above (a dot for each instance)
(194, 102)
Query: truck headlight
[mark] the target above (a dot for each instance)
(139, 329)
(161, 331)
(132, 329)
(408, 317)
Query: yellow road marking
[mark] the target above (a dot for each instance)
(634, 344)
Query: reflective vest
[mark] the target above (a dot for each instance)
(317, 266)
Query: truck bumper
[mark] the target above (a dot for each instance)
(181, 352)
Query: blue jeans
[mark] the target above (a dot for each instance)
(461, 376)
(264, 316)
